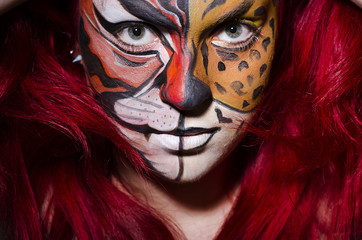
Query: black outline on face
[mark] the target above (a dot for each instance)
(162, 20)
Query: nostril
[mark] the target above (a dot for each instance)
(195, 93)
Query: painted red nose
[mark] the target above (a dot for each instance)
(182, 89)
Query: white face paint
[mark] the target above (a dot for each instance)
(113, 11)
(135, 64)
(194, 152)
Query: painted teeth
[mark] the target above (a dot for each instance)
(168, 141)
(191, 142)
(172, 142)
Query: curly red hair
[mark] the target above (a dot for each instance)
(57, 145)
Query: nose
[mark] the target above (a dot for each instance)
(182, 89)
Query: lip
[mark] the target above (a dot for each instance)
(184, 140)
(192, 131)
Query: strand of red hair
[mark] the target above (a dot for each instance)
(58, 146)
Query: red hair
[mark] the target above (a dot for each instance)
(57, 145)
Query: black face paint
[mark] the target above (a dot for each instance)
(254, 54)
(221, 118)
(259, 11)
(131, 111)
(205, 55)
(257, 92)
(220, 88)
(94, 64)
(237, 86)
(213, 5)
(266, 43)
(197, 92)
(245, 104)
(181, 125)
(221, 66)
(227, 56)
(182, 5)
(271, 24)
(262, 69)
(242, 65)
(124, 61)
(148, 13)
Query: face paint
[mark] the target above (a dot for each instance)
(179, 77)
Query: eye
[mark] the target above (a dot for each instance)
(235, 33)
(136, 35)
(236, 36)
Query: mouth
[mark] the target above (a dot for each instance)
(184, 139)
(192, 131)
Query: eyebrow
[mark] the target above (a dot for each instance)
(146, 11)
(243, 7)
(234, 13)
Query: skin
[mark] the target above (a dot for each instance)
(358, 3)
(6, 5)
(199, 208)
(183, 90)
(192, 81)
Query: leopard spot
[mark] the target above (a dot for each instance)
(227, 56)
(254, 54)
(257, 92)
(271, 24)
(245, 104)
(259, 11)
(266, 43)
(221, 66)
(237, 86)
(263, 69)
(220, 88)
(205, 55)
(221, 118)
(242, 65)
(250, 79)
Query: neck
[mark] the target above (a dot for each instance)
(198, 208)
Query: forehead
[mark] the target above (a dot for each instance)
(149, 10)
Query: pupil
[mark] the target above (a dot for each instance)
(137, 31)
(233, 29)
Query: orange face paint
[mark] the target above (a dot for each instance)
(180, 77)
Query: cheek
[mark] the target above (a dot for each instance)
(239, 83)
(237, 79)
(104, 63)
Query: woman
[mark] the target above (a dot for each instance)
(194, 119)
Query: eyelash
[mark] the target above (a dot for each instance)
(129, 48)
(242, 46)
(132, 48)
(245, 46)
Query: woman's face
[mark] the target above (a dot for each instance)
(180, 77)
